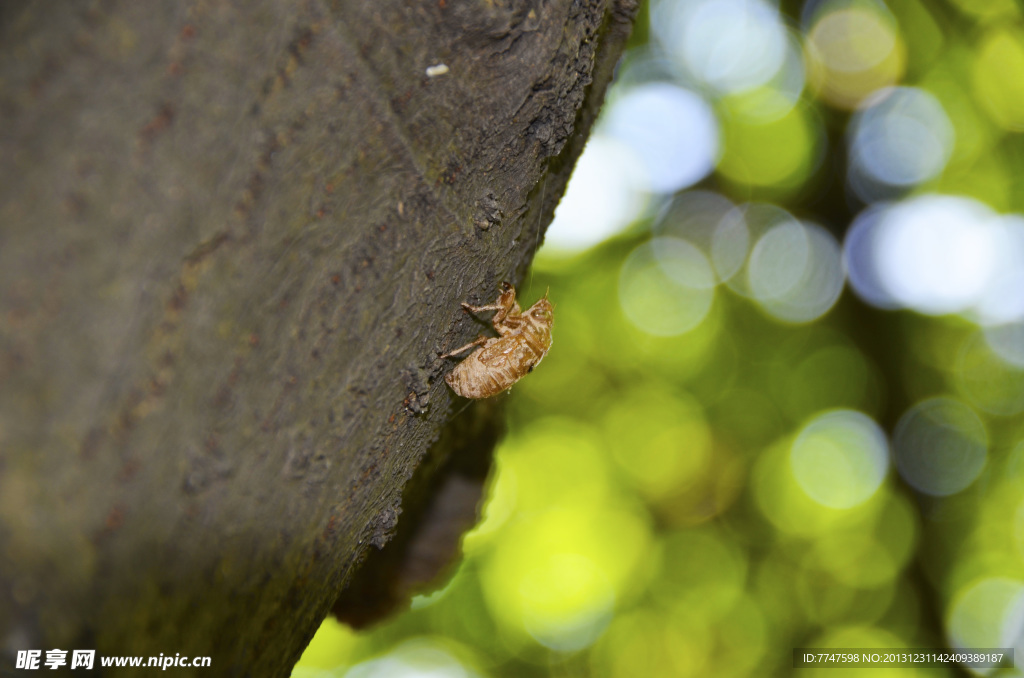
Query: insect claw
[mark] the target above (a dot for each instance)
(506, 286)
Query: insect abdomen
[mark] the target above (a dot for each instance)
(473, 379)
(497, 365)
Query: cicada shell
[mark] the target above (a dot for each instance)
(498, 362)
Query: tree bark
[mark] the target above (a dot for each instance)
(233, 239)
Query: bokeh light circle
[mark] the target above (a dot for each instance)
(988, 612)
(870, 559)
(989, 382)
(936, 254)
(778, 261)
(988, 11)
(708, 221)
(939, 254)
(557, 574)
(778, 152)
(901, 138)
(730, 243)
(604, 194)
(565, 600)
(940, 446)
(795, 271)
(752, 220)
(666, 286)
(1002, 300)
(853, 50)
(730, 45)
(840, 458)
(659, 438)
(1008, 342)
(998, 87)
(860, 254)
(702, 571)
(671, 130)
(414, 658)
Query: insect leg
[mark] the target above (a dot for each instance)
(480, 341)
(499, 317)
(480, 309)
(505, 306)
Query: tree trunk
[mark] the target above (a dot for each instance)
(233, 239)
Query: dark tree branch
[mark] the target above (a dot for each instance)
(233, 238)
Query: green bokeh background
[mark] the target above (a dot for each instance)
(699, 504)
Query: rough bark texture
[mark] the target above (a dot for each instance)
(233, 238)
